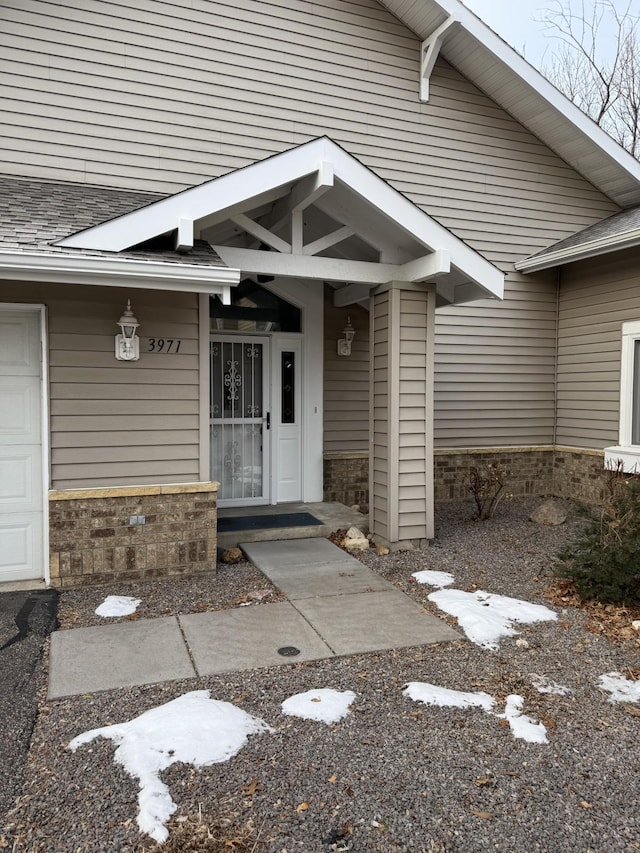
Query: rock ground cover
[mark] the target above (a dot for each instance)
(393, 775)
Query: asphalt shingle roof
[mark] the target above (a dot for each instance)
(34, 214)
(614, 226)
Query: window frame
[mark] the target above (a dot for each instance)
(626, 451)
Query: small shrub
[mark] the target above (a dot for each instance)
(605, 561)
(487, 485)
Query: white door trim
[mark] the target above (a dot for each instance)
(41, 310)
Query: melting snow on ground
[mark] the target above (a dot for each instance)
(430, 694)
(523, 727)
(621, 689)
(430, 578)
(486, 618)
(324, 705)
(193, 729)
(117, 605)
(543, 684)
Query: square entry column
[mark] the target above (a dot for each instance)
(401, 422)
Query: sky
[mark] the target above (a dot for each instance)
(517, 21)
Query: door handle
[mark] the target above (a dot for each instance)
(268, 420)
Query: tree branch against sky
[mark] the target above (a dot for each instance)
(597, 63)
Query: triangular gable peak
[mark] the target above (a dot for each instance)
(312, 212)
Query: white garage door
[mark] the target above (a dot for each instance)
(21, 486)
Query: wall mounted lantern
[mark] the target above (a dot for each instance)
(344, 343)
(127, 343)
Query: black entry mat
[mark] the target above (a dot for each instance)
(230, 524)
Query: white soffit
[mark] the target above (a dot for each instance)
(491, 64)
(244, 189)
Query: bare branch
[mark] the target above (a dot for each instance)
(597, 63)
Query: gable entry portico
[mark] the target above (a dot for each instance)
(295, 221)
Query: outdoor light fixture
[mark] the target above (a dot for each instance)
(127, 343)
(344, 344)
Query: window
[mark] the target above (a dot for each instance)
(628, 450)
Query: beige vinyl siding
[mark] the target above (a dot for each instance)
(415, 451)
(596, 297)
(118, 423)
(346, 380)
(381, 484)
(156, 95)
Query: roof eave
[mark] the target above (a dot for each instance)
(103, 271)
(582, 252)
(496, 68)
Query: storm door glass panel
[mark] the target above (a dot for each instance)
(237, 411)
(635, 409)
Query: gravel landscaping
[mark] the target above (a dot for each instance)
(395, 774)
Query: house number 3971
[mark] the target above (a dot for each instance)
(164, 345)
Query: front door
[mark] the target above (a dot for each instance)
(240, 419)
(21, 475)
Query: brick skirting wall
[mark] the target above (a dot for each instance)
(91, 540)
(346, 479)
(529, 470)
(560, 471)
(579, 475)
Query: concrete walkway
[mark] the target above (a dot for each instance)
(336, 606)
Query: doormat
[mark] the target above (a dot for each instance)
(230, 524)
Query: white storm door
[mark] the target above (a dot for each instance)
(21, 477)
(240, 419)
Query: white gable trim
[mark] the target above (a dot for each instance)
(484, 58)
(325, 162)
(117, 272)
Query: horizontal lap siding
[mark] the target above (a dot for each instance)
(156, 95)
(119, 423)
(596, 298)
(414, 414)
(380, 394)
(346, 379)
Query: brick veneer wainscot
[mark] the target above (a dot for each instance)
(346, 479)
(92, 542)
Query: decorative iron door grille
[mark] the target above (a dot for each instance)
(238, 414)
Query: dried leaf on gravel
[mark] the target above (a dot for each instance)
(482, 815)
(303, 807)
(251, 788)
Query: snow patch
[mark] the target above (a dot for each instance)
(324, 705)
(430, 694)
(621, 689)
(543, 684)
(192, 729)
(522, 726)
(430, 578)
(486, 618)
(117, 605)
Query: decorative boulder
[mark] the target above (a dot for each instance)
(549, 513)
(355, 540)
(232, 555)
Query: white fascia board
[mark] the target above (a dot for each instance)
(579, 253)
(116, 272)
(567, 114)
(227, 191)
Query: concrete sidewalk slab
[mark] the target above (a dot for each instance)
(373, 621)
(249, 637)
(301, 553)
(84, 660)
(321, 580)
